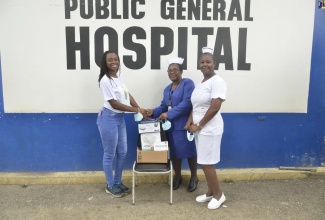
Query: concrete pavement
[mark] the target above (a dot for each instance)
(251, 194)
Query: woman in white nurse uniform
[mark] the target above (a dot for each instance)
(207, 124)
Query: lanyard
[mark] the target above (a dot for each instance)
(170, 102)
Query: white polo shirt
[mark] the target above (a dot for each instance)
(114, 88)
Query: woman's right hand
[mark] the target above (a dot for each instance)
(143, 112)
(149, 112)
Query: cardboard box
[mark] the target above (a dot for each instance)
(152, 156)
(148, 126)
(148, 140)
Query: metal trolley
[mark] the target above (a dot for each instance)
(153, 168)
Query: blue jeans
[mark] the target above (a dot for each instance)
(112, 131)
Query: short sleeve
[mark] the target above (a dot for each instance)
(219, 88)
(107, 89)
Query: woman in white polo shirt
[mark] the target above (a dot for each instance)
(111, 124)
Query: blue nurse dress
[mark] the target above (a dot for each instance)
(180, 101)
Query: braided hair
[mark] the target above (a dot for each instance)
(103, 65)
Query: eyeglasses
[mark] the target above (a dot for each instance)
(173, 70)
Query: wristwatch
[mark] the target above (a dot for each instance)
(198, 124)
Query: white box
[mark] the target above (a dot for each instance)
(148, 126)
(148, 140)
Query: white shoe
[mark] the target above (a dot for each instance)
(203, 198)
(214, 203)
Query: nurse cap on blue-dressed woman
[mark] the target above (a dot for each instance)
(178, 60)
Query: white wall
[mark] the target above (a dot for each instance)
(34, 54)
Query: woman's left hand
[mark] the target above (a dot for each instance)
(194, 128)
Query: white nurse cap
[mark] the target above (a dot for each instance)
(207, 50)
(178, 60)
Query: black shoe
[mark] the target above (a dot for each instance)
(114, 191)
(192, 185)
(176, 183)
(123, 188)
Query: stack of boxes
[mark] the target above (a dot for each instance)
(151, 148)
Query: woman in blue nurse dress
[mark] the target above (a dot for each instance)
(176, 107)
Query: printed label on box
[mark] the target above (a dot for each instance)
(160, 146)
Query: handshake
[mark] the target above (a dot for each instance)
(144, 114)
